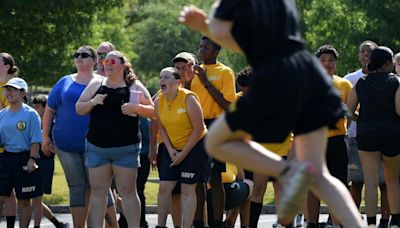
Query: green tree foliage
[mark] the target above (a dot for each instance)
(346, 23)
(158, 37)
(42, 35)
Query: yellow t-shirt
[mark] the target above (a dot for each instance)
(230, 174)
(343, 86)
(281, 149)
(175, 118)
(223, 79)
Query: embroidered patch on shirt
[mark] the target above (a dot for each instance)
(181, 110)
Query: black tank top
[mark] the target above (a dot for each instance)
(376, 93)
(108, 126)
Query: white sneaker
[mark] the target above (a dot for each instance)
(298, 221)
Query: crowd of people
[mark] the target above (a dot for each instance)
(216, 139)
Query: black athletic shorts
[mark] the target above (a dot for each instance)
(291, 93)
(236, 194)
(195, 168)
(216, 165)
(46, 166)
(337, 158)
(12, 175)
(387, 142)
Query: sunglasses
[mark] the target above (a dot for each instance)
(109, 61)
(102, 55)
(84, 55)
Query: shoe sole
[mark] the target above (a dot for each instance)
(291, 201)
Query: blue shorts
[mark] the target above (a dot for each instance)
(195, 168)
(26, 185)
(46, 166)
(124, 156)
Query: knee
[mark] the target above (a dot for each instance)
(164, 190)
(24, 203)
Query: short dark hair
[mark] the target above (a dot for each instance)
(245, 76)
(216, 46)
(40, 99)
(379, 56)
(327, 49)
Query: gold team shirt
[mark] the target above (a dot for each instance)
(229, 176)
(175, 118)
(343, 86)
(281, 149)
(223, 79)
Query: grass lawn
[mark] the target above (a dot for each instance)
(60, 194)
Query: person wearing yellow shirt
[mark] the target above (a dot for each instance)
(181, 155)
(214, 83)
(8, 69)
(336, 154)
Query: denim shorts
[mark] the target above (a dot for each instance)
(124, 156)
(77, 177)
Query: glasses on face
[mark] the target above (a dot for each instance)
(109, 61)
(84, 55)
(102, 55)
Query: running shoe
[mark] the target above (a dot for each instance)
(294, 188)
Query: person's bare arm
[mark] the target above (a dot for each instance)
(87, 101)
(48, 118)
(352, 102)
(215, 94)
(397, 101)
(195, 113)
(144, 108)
(216, 29)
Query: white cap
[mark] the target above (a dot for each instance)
(17, 83)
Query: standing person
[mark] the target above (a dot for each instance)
(336, 154)
(46, 167)
(102, 50)
(107, 100)
(355, 174)
(182, 154)
(290, 91)
(8, 69)
(68, 132)
(20, 136)
(378, 124)
(214, 83)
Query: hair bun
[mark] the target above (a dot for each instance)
(13, 70)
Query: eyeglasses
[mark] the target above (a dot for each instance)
(84, 55)
(102, 55)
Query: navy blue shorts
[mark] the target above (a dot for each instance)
(337, 158)
(194, 169)
(216, 165)
(46, 166)
(236, 194)
(26, 185)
